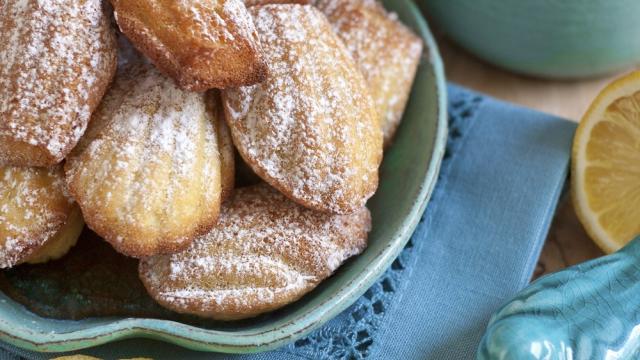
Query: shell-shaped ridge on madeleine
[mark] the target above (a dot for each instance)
(147, 174)
(265, 252)
(310, 129)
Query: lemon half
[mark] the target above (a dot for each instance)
(606, 165)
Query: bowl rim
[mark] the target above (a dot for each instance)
(258, 340)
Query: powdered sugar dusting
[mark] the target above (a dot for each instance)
(33, 207)
(387, 52)
(56, 59)
(309, 129)
(265, 251)
(250, 3)
(148, 168)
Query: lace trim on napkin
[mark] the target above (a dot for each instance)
(352, 338)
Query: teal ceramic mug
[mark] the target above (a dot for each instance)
(547, 38)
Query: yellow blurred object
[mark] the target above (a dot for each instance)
(64, 240)
(606, 165)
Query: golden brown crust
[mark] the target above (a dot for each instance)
(202, 44)
(387, 51)
(34, 208)
(147, 172)
(60, 244)
(57, 59)
(225, 144)
(249, 3)
(266, 252)
(310, 128)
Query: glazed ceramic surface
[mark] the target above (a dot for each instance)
(589, 311)
(408, 175)
(549, 38)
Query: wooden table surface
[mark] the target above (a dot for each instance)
(567, 243)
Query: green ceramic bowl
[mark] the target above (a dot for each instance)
(548, 38)
(408, 175)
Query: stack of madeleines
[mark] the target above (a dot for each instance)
(127, 115)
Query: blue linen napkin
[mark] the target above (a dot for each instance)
(475, 247)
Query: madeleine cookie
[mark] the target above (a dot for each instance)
(310, 129)
(386, 50)
(225, 144)
(202, 44)
(147, 173)
(62, 242)
(35, 213)
(265, 252)
(57, 59)
(267, 2)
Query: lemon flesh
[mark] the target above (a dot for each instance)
(606, 165)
